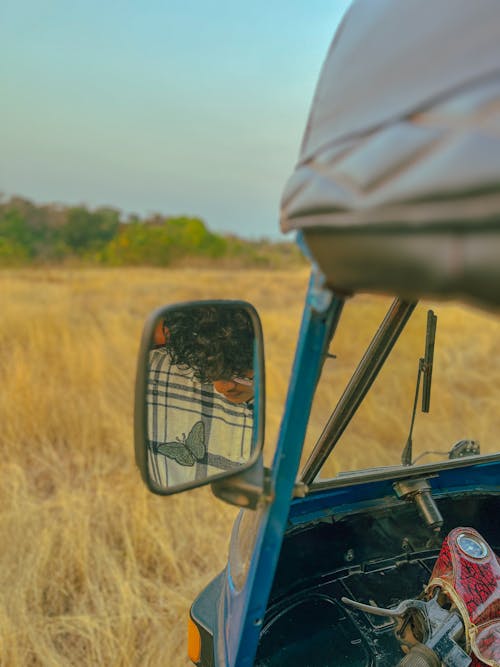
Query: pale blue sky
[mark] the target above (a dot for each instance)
(175, 107)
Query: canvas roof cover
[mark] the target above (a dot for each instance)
(397, 188)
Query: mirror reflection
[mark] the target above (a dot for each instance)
(200, 393)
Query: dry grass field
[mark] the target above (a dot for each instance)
(93, 569)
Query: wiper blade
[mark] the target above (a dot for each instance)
(430, 337)
(425, 364)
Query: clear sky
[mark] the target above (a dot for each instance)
(170, 106)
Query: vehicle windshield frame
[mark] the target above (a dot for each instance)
(372, 362)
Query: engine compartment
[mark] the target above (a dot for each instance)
(379, 557)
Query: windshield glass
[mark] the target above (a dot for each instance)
(464, 390)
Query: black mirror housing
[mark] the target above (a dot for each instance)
(199, 394)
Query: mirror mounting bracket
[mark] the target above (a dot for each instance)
(250, 489)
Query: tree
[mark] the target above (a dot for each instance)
(16, 233)
(85, 230)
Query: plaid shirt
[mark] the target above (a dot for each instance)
(180, 449)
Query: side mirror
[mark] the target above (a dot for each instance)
(199, 398)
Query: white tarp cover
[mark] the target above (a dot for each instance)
(397, 188)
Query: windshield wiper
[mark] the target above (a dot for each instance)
(424, 370)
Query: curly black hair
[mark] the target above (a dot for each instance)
(216, 342)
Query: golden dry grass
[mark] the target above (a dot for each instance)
(93, 569)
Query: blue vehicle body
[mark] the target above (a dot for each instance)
(233, 620)
(235, 642)
(212, 610)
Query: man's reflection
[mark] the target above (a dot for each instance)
(237, 389)
(200, 393)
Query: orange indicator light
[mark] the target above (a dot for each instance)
(194, 641)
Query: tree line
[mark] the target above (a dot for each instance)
(32, 233)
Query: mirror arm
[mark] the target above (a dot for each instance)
(250, 489)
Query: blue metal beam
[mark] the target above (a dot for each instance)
(321, 314)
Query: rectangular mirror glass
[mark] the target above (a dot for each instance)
(199, 394)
